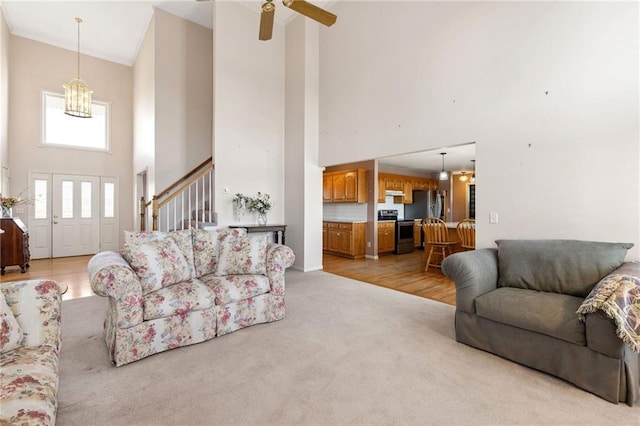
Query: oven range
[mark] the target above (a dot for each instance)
(404, 231)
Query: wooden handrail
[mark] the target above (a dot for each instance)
(185, 177)
(182, 188)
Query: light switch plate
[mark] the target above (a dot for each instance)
(493, 218)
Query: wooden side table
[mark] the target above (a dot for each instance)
(14, 249)
(278, 230)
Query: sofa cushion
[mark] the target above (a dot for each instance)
(11, 335)
(157, 263)
(29, 386)
(560, 266)
(206, 247)
(139, 237)
(181, 298)
(242, 255)
(233, 288)
(183, 238)
(552, 314)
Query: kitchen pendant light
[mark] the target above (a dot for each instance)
(443, 174)
(463, 177)
(473, 175)
(77, 94)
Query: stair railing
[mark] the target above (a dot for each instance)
(184, 204)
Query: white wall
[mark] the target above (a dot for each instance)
(548, 90)
(4, 100)
(183, 96)
(303, 176)
(35, 66)
(248, 111)
(144, 100)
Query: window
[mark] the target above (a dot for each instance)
(62, 130)
(40, 202)
(109, 200)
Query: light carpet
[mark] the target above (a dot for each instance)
(346, 353)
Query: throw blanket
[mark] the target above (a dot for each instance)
(618, 296)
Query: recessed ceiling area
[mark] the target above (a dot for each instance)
(457, 159)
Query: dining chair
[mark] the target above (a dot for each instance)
(436, 235)
(466, 230)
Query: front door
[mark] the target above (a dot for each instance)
(75, 215)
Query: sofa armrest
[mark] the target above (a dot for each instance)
(111, 276)
(474, 272)
(36, 304)
(279, 258)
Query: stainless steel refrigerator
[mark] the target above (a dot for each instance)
(424, 205)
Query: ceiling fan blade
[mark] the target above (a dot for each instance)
(311, 11)
(266, 21)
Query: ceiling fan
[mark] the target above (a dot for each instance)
(301, 6)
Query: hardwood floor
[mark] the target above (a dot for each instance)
(403, 273)
(69, 270)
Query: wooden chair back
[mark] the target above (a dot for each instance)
(435, 231)
(466, 230)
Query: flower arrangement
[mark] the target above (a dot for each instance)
(12, 201)
(261, 203)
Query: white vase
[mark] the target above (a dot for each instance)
(262, 219)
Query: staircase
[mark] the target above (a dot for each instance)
(187, 203)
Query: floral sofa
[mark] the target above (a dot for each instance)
(29, 346)
(168, 290)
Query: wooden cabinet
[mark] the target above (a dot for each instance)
(381, 190)
(406, 184)
(14, 244)
(327, 188)
(386, 237)
(324, 236)
(408, 192)
(349, 186)
(417, 232)
(344, 238)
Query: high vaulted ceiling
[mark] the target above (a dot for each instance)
(112, 29)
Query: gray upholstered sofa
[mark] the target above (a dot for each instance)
(519, 301)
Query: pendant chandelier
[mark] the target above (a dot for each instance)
(77, 94)
(443, 174)
(463, 177)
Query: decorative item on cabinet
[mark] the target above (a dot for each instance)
(348, 186)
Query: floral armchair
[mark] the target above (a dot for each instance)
(168, 290)
(30, 314)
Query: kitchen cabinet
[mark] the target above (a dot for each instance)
(417, 232)
(344, 239)
(14, 244)
(406, 184)
(386, 237)
(408, 192)
(324, 236)
(381, 189)
(327, 188)
(349, 186)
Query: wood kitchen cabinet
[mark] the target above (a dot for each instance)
(327, 188)
(381, 189)
(349, 186)
(386, 237)
(417, 232)
(406, 184)
(344, 239)
(14, 244)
